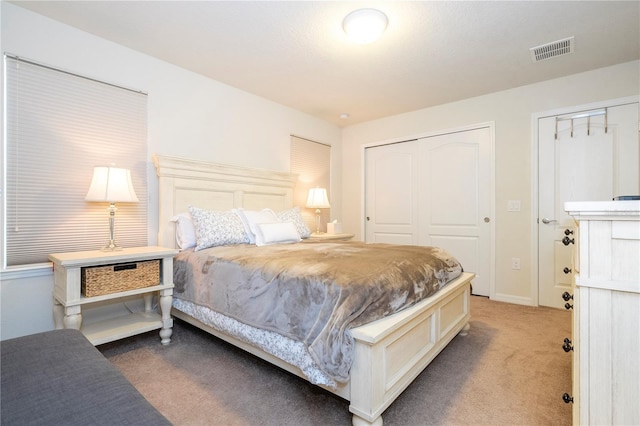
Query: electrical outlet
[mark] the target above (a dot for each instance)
(515, 263)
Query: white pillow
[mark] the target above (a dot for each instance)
(217, 228)
(276, 233)
(293, 215)
(251, 218)
(185, 231)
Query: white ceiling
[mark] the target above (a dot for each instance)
(295, 52)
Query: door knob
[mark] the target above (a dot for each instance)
(566, 270)
(566, 241)
(568, 232)
(567, 398)
(547, 221)
(568, 306)
(566, 296)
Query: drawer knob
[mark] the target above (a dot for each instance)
(567, 398)
(566, 241)
(568, 232)
(566, 270)
(566, 296)
(567, 306)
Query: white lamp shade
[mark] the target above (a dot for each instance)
(318, 199)
(112, 185)
(365, 26)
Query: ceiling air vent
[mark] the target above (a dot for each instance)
(551, 50)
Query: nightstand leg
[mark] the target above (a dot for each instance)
(58, 315)
(166, 297)
(72, 317)
(148, 298)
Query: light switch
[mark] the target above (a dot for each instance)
(513, 205)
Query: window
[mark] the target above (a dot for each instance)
(312, 162)
(59, 126)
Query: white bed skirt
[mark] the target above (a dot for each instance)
(288, 350)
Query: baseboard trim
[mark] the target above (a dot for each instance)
(518, 300)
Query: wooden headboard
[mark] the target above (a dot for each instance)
(183, 182)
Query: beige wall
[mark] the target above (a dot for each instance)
(192, 116)
(188, 115)
(511, 111)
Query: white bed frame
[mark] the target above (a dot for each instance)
(389, 353)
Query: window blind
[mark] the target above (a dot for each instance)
(312, 162)
(59, 127)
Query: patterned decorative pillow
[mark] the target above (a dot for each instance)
(293, 215)
(217, 228)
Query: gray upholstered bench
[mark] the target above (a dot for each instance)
(60, 378)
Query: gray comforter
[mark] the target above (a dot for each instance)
(313, 292)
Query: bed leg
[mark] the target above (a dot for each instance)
(359, 421)
(465, 329)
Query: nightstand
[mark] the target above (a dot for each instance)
(69, 297)
(331, 237)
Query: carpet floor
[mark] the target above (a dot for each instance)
(509, 370)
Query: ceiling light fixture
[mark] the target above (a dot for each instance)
(365, 26)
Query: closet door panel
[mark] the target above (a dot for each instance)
(455, 199)
(391, 194)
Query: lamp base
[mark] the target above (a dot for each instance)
(318, 222)
(111, 246)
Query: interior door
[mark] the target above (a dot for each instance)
(583, 156)
(435, 191)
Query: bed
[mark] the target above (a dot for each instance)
(387, 353)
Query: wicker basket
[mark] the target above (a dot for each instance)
(99, 280)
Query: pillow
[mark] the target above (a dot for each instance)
(294, 216)
(276, 233)
(185, 231)
(251, 218)
(217, 228)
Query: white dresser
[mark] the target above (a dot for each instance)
(606, 317)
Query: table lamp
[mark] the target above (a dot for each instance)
(317, 199)
(112, 185)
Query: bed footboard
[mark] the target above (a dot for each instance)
(390, 353)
